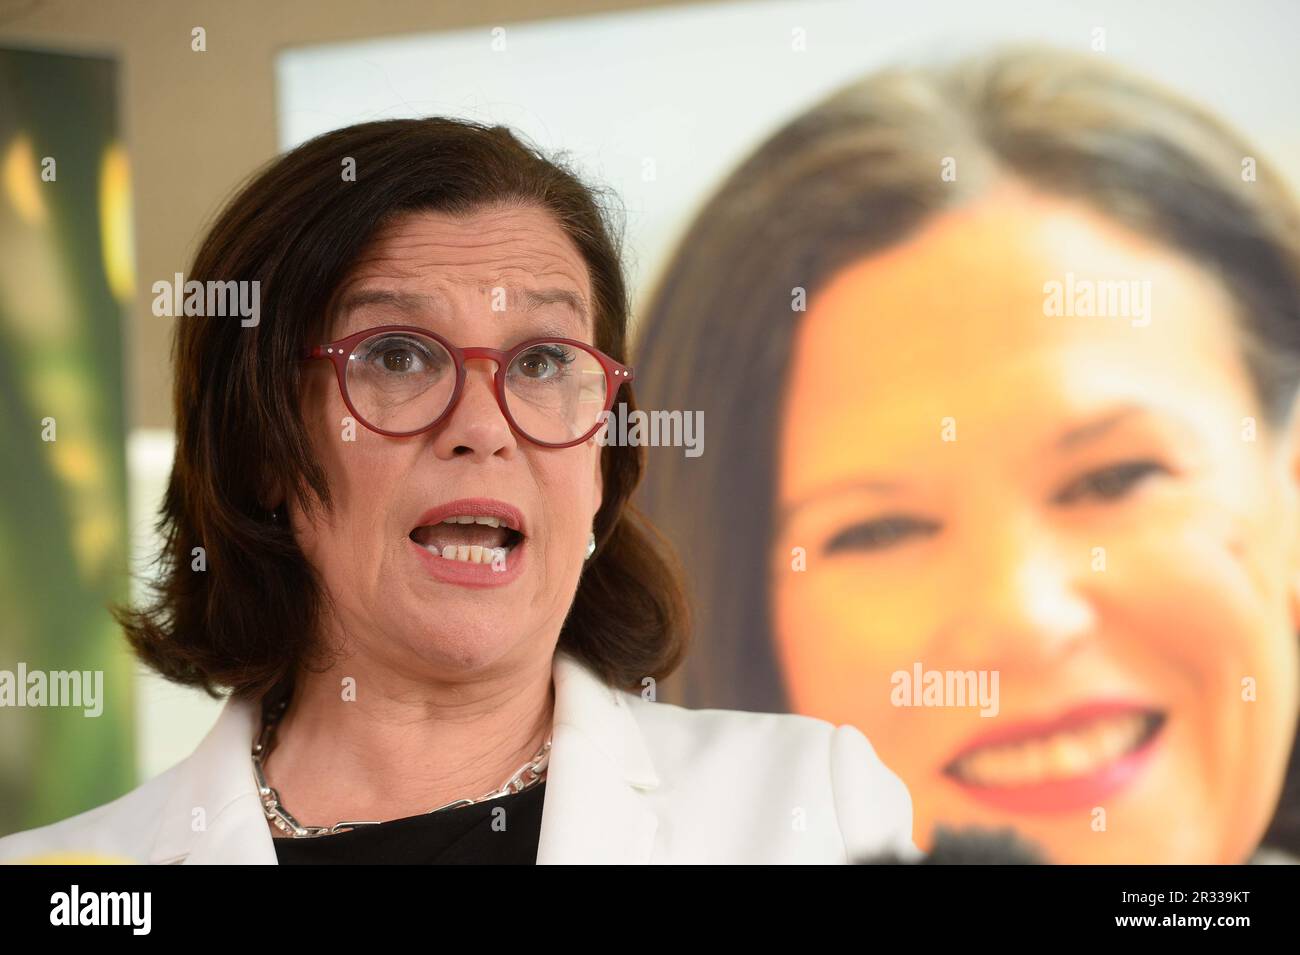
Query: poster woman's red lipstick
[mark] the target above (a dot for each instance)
(1067, 763)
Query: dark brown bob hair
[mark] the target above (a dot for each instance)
(243, 613)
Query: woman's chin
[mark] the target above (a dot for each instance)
(460, 645)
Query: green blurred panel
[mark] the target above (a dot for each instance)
(64, 278)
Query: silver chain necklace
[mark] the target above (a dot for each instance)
(526, 776)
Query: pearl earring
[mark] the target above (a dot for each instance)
(591, 546)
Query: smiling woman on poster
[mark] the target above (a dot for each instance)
(1036, 425)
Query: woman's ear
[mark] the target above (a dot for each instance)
(272, 497)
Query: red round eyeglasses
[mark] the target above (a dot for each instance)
(401, 380)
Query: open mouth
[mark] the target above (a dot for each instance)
(471, 539)
(1076, 749)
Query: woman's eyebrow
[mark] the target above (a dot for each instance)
(536, 298)
(413, 302)
(1091, 430)
(422, 303)
(539, 298)
(860, 484)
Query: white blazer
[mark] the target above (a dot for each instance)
(629, 781)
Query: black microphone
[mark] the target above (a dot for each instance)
(971, 846)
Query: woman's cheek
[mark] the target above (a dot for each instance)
(1198, 600)
(1196, 581)
(564, 489)
(840, 637)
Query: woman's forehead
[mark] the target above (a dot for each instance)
(432, 269)
(985, 318)
(998, 284)
(556, 311)
(476, 245)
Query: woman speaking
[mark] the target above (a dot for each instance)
(393, 536)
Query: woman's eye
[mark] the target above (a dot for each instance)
(399, 357)
(879, 534)
(1109, 483)
(546, 361)
(400, 360)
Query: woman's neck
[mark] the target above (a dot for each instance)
(371, 744)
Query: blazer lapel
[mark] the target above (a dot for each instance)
(214, 815)
(594, 809)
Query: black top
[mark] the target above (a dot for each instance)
(467, 835)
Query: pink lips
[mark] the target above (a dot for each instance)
(1061, 794)
(475, 507)
(474, 575)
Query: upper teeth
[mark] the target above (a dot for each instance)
(1061, 755)
(476, 519)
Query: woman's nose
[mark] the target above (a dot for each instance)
(476, 425)
(1021, 599)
